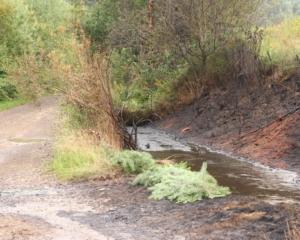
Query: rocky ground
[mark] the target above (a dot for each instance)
(35, 206)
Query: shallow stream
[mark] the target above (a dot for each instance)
(242, 176)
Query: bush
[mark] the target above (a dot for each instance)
(17, 29)
(144, 84)
(178, 183)
(7, 91)
(134, 162)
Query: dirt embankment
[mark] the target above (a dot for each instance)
(256, 121)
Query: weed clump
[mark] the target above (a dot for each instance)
(134, 162)
(178, 183)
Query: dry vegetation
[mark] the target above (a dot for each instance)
(293, 231)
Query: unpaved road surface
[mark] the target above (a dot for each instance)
(34, 206)
(30, 199)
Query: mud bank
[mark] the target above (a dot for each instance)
(260, 123)
(126, 212)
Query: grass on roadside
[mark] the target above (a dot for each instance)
(77, 157)
(8, 104)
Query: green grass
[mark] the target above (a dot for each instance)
(282, 42)
(8, 104)
(77, 158)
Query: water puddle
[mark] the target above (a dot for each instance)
(243, 177)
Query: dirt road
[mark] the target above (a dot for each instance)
(34, 206)
(30, 199)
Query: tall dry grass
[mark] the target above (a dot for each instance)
(89, 92)
(292, 232)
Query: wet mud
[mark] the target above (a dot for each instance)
(258, 122)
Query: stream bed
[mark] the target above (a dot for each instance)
(244, 177)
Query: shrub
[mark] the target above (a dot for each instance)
(180, 184)
(134, 162)
(7, 91)
(17, 28)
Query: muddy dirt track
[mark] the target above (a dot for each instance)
(33, 205)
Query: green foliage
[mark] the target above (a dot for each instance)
(100, 20)
(281, 43)
(78, 158)
(53, 19)
(143, 84)
(75, 118)
(8, 104)
(103, 15)
(150, 63)
(35, 39)
(7, 91)
(133, 162)
(179, 184)
(154, 176)
(17, 30)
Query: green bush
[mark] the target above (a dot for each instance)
(143, 84)
(7, 91)
(134, 162)
(178, 183)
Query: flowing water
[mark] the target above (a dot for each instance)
(242, 176)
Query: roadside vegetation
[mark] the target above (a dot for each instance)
(121, 62)
(281, 44)
(8, 104)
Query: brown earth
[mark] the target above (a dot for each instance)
(35, 206)
(256, 121)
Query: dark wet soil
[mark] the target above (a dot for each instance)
(129, 214)
(260, 121)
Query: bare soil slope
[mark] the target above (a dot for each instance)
(256, 121)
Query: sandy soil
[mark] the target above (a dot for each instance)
(34, 206)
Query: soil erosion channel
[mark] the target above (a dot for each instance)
(242, 176)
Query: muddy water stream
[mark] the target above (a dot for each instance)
(242, 176)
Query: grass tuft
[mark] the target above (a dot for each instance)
(8, 104)
(77, 157)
